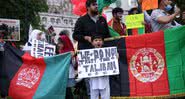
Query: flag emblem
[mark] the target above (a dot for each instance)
(28, 76)
(147, 65)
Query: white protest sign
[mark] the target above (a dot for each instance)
(97, 62)
(42, 49)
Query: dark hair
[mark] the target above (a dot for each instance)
(96, 37)
(159, 1)
(64, 32)
(132, 10)
(116, 10)
(60, 41)
(89, 2)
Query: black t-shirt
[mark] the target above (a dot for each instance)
(85, 26)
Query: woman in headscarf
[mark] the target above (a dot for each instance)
(65, 45)
(35, 34)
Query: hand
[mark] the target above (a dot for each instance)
(117, 56)
(72, 53)
(143, 23)
(88, 38)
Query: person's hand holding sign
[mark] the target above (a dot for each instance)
(88, 38)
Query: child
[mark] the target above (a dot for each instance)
(99, 85)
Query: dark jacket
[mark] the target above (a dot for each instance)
(85, 26)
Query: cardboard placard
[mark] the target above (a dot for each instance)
(97, 62)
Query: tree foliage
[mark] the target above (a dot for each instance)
(24, 10)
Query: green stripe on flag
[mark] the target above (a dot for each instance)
(104, 3)
(112, 32)
(141, 30)
(175, 58)
(54, 81)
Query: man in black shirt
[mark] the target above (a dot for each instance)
(89, 25)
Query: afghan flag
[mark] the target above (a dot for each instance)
(136, 31)
(25, 77)
(150, 64)
(104, 3)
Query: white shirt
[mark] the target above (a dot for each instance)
(71, 71)
(99, 82)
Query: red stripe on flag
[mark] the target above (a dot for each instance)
(147, 66)
(134, 31)
(27, 79)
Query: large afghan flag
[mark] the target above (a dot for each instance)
(25, 77)
(150, 64)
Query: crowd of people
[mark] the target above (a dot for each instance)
(90, 31)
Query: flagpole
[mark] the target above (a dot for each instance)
(114, 38)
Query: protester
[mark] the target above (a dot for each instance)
(67, 33)
(161, 20)
(64, 32)
(174, 23)
(88, 25)
(64, 45)
(99, 85)
(35, 34)
(183, 17)
(147, 19)
(116, 23)
(133, 10)
(180, 4)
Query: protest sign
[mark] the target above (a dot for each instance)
(10, 29)
(134, 21)
(97, 62)
(42, 49)
(149, 4)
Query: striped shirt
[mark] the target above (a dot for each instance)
(156, 26)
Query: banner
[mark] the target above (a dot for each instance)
(97, 62)
(134, 21)
(42, 49)
(25, 77)
(10, 29)
(149, 4)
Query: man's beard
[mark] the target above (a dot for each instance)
(118, 18)
(94, 12)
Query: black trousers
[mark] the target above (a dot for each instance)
(69, 94)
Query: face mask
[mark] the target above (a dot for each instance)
(168, 8)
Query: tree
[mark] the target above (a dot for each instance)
(24, 10)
